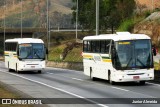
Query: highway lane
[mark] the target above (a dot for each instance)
(61, 83)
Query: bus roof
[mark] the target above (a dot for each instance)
(25, 40)
(118, 36)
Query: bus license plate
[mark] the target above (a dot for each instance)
(32, 66)
(135, 77)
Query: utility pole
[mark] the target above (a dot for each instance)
(97, 17)
(4, 23)
(21, 20)
(48, 25)
(77, 21)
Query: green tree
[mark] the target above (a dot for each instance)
(112, 13)
(85, 12)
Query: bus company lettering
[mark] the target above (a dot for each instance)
(19, 101)
(144, 102)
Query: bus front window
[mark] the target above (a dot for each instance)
(143, 54)
(133, 54)
(38, 51)
(31, 51)
(25, 51)
(124, 57)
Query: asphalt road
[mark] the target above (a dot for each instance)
(62, 83)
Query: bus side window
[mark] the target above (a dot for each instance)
(6, 46)
(97, 46)
(112, 45)
(85, 46)
(93, 46)
(89, 46)
(10, 46)
(105, 46)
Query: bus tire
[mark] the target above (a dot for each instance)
(9, 68)
(109, 78)
(91, 75)
(142, 82)
(17, 69)
(39, 71)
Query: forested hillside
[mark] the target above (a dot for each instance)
(34, 13)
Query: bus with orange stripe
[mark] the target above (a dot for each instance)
(25, 54)
(120, 57)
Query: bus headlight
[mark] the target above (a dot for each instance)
(150, 74)
(120, 76)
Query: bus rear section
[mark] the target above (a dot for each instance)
(118, 58)
(26, 54)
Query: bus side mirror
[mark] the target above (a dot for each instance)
(46, 50)
(18, 55)
(18, 52)
(154, 51)
(113, 53)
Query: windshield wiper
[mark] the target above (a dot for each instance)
(141, 62)
(35, 53)
(129, 62)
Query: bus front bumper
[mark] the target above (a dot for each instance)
(131, 77)
(31, 66)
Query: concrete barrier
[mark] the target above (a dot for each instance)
(66, 65)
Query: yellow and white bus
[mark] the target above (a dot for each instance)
(120, 57)
(25, 54)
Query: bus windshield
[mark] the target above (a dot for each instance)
(31, 51)
(133, 54)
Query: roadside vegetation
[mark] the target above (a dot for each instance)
(128, 24)
(156, 66)
(4, 93)
(64, 47)
(112, 13)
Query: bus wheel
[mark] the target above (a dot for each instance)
(109, 79)
(142, 82)
(91, 76)
(39, 71)
(9, 68)
(16, 69)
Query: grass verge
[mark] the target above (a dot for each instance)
(5, 93)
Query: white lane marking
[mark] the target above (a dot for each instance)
(75, 95)
(89, 81)
(49, 73)
(62, 69)
(153, 83)
(120, 88)
(77, 79)
(134, 92)
(67, 77)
